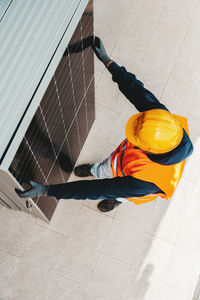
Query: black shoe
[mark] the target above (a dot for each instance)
(108, 204)
(83, 170)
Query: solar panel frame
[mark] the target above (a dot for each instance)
(61, 122)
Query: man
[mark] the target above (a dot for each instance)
(147, 164)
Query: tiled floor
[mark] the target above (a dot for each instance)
(144, 252)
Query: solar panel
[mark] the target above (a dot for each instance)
(59, 128)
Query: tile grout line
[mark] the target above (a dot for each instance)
(53, 230)
(93, 209)
(156, 237)
(75, 219)
(116, 258)
(154, 32)
(14, 255)
(100, 250)
(179, 48)
(132, 265)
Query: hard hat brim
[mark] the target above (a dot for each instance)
(129, 131)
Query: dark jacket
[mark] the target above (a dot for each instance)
(128, 186)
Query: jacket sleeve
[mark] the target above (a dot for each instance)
(134, 89)
(118, 187)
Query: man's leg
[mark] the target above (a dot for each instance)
(100, 170)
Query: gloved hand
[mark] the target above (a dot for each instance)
(37, 189)
(100, 50)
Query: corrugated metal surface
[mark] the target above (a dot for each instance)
(28, 38)
(4, 5)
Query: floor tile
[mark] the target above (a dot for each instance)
(165, 44)
(110, 15)
(195, 106)
(108, 279)
(177, 97)
(147, 271)
(64, 216)
(93, 205)
(136, 35)
(183, 267)
(40, 286)
(167, 215)
(8, 264)
(192, 166)
(188, 59)
(194, 128)
(84, 246)
(107, 93)
(99, 136)
(168, 291)
(20, 236)
(193, 209)
(126, 236)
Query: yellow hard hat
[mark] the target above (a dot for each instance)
(156, 131)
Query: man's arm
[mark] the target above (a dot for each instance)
(127, 82)
(118, 187)
(134, 89)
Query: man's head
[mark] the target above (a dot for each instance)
(155, 131)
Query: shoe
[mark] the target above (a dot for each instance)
(108, 204)
(83, 170)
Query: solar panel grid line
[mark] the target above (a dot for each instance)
(33, 141)
(68, 133)
(53, 135)
(63, 66)
(70, 128)
(55, 161)
(36, 161)
(74, 100)
(58, 97)
(65, 133)
(63, 90)
(52, 107)
(27, 160)
(77, 110)
(54, 151)
(49, 174)
(85, 57)
(66, 77)
(87, 126)
(68, 145)
(33, 145)
(79, 107)
(29, 163)
(71, 80)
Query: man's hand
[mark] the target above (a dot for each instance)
(100, 50)
(37, 189)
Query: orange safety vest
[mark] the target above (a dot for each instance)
(128, 161)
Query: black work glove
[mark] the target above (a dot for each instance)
(37, 189)
(100, 50)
